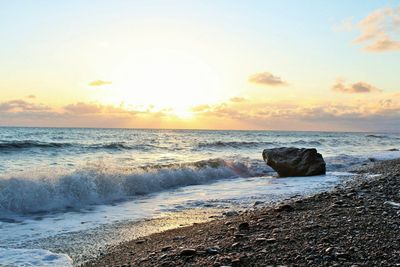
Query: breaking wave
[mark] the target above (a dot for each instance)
(99, 185)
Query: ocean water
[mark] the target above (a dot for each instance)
(67, 194)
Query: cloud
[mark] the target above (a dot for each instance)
(380, 30)
(266, 78)
(83, 108)
(31, 96)
(20, 112)
(200, 108)
(380, 113)
(355, 88)
(20, 105)
(237, 99)
(99, 83)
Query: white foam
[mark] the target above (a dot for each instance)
(387, 155)
(33, 257)
(99, 185)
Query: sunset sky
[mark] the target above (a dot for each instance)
(273, 65)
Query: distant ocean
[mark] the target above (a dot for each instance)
(66, 193)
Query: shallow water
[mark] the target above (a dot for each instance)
(75, 191)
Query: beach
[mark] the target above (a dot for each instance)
(87, 191)
(355, 224)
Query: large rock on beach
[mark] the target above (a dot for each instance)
(291, 161)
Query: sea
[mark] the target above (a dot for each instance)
(69, 194)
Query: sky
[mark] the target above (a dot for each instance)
(201, 64)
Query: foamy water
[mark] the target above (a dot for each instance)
(70, 192)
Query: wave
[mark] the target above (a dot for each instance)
(306, 143)
(249, 144)
(377, 136)
(114, 145)
(99, 185)
(234, 144)
(29, 144)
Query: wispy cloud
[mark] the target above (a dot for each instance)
(83, 108)
(19, 105)
(371, 115)
(380, 113)
(355, 88)
(99, 83)
(380, 30)
(237, 99)
(266, 78)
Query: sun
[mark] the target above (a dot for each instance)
(165, 80)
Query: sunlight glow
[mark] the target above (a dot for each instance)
(163, 80)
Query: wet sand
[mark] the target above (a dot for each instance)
(356, 224)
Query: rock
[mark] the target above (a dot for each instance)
(188, 252)
(235, 245)
(261, 240)
(140, 241)
(284, 207)
(393, 204)
(237, 236)
(244, 226)
(230, 213)
(213, 250)
(179, 237)
(257, 203)
(270, 240)
(291, 161)
(166, 248)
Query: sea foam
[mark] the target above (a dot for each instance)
(100, 185)
(33, 257)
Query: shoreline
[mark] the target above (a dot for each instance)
(356, 224)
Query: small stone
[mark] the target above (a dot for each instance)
(230, 213)
(328, 250)
(179, 237)
(270, 240)
(140, 241)
(213, 250)
(342, 255)
(188, 252)
(261, 240)
(257, 203)
(236, 244)
(244, 226)
(166, 248)
(284, 207)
